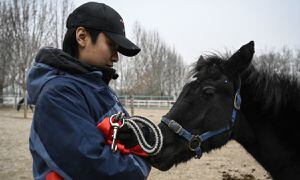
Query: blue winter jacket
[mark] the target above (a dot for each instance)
(71, 98)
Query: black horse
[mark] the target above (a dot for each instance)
(264, 122)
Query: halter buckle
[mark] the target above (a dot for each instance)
(175, 126)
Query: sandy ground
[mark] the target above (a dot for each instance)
(230, 162)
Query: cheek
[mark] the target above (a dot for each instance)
(219, 114)
(105, 50)
(99, 54)
(101, 51)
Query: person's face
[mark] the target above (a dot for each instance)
(101, 53)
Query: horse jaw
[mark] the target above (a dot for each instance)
(173, 152)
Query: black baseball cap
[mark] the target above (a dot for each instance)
(99, 16)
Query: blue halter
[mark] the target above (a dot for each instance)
(194, 141)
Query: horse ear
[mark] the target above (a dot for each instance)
(241, 59)
(201, 59)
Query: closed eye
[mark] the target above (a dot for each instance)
(208, 90)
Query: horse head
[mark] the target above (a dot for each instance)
(204, 114)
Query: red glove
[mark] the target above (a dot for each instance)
(53, 176)
(107, 130)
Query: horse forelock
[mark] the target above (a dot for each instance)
(209, 62)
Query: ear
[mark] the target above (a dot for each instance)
(81, 37)
(201, 59)
(241, 59)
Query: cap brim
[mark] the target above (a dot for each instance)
(125, 46)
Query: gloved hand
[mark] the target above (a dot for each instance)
(128, 138)
(105, 127)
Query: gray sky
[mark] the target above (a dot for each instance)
(194, 27)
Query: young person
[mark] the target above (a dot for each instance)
(70, 90)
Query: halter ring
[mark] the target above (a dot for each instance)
(195, 138)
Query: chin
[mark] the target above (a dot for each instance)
(163, 166)
(164, 163)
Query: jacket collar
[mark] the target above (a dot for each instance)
(64, 62)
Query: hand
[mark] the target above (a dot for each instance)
(128, 138)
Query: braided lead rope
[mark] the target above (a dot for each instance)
(142, 142)
(131, 122)
(138, 133)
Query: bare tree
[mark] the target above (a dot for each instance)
(61, 9)
(157, 70)
(297, 63)
(32, 27)
(283, 61)
(5, 47)
(26, 26)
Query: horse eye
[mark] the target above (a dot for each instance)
(208, 90)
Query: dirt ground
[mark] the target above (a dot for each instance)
(231, 162)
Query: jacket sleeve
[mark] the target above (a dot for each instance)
(73, 142)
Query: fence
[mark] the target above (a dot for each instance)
(128, 101)
(147, 101)
(11, 100)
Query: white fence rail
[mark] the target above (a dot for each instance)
(148, 103)
(11, 100)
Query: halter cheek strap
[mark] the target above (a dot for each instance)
(178, 129)
(195, 141)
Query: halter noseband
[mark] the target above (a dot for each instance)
(195, 141)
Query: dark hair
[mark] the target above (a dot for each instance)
(70, 44)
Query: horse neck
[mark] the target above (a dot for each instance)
(268, 118)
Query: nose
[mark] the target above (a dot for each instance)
(115, 56)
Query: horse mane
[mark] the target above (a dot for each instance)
(276, 93)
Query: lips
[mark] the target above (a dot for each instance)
(110, 64)
(161, 165)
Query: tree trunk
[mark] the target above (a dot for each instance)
(132, 104)
(1, 93)
(24, 92)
